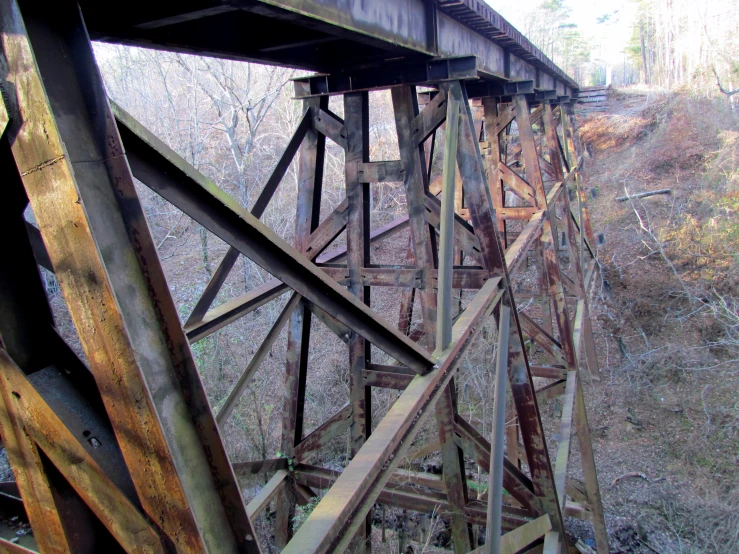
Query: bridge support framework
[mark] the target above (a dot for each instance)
(122, 451)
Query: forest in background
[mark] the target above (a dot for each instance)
(670, 43)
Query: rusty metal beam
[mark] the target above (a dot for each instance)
(38, 422)
(63, 133)
(160, 168)
(327, 431)
(83, 158)
(336, 517)
(408, 498)
(356, 123)
(240, 386)
(388, 75)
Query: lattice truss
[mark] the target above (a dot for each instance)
(123, 452)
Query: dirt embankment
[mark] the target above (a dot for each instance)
(665, 415)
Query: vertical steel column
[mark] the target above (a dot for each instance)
(356, 123)
(495, 485)
(580, 415)
(590, 472)
(405, 105)
(458, 124)
(310, 183)
(571, 233)
(491, 116)
(548, 243)
(532, 431)
(446, 234)
(492, 138)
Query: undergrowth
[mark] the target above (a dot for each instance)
(672, 313)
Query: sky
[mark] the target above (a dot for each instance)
(611, 37)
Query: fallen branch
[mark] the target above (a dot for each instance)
(636, 474)
(643, 194)
(632, 474)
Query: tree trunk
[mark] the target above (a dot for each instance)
(643, 53)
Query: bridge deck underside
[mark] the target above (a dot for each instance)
(330, 35)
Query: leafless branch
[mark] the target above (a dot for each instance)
(728, 93)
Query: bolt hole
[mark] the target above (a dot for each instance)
(18, 396)
(86, 434)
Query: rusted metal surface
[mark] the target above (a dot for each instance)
(515, 482)
(405, 106)
(196, 195)
(42, 426)
(446, 224)
(356, 489)
(399, 496)
(497, 447)
(356, 123)
(176, 490)
(329, 430)
(310, 185)
(220, 275)
(169, 448)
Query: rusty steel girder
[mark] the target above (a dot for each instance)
(122, 451)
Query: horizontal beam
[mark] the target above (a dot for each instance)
(463, 277)
(386, 379)
(259, 467)
(425, 72)
(380, 172)
(502, 90)
(406, 497)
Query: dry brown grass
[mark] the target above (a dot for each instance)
(669, 321)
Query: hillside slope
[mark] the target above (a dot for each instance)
(665, 415)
